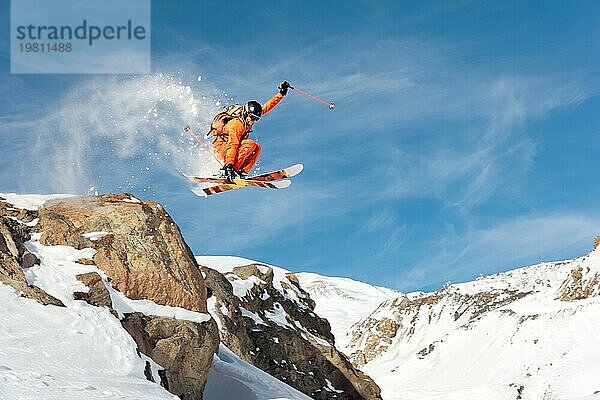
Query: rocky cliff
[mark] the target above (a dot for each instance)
(15, 227)
(268, 319)
(137, 245)
(139, 267)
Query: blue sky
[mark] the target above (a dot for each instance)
(464, 141)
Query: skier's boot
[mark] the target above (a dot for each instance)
(229, 172)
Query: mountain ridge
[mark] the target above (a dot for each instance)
(525, 325)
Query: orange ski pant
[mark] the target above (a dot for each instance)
(247, 155)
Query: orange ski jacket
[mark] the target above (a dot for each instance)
(236, 130)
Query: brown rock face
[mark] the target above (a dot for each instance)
(144, 255)
(142, 250)
(299, 348)
(581, 284)
(98, 295)
(375, 334)
(8, 210)
(12, 251)
(185, 349)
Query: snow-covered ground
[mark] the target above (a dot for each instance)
(232, 378)
(82, 352)
(77, 352)
(532, 347)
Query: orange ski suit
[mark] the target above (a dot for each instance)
(234, 147)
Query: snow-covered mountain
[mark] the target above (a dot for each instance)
(85, 314)
(531, 333)
(343, 301)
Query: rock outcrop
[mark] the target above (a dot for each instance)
(97, 295)
(16, 213)
(584, 280)
(397, 320)
(137, 245)
(142, 252)
(184, 348)
(267, 319)
(581, 284)
(13, 254)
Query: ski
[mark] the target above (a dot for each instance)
(271, 180)
(240, 183)
(279, 174)
(267, 177)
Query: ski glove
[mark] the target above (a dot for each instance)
(284, 86)
(229, 172)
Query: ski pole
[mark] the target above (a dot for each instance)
(330, 105)
(189, 130)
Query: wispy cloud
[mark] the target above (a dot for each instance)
(385, 230)
(247, 220)
(501, 109)
(387, 89)
(509, 244)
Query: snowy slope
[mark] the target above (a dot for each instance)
(530, 333)
(343, 301)
(232, 378)
(82, 352)
(506, 336)
(49, 352)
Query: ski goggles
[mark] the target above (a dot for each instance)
(253, 117)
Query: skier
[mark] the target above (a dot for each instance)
(237, 153)
(231, 128)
